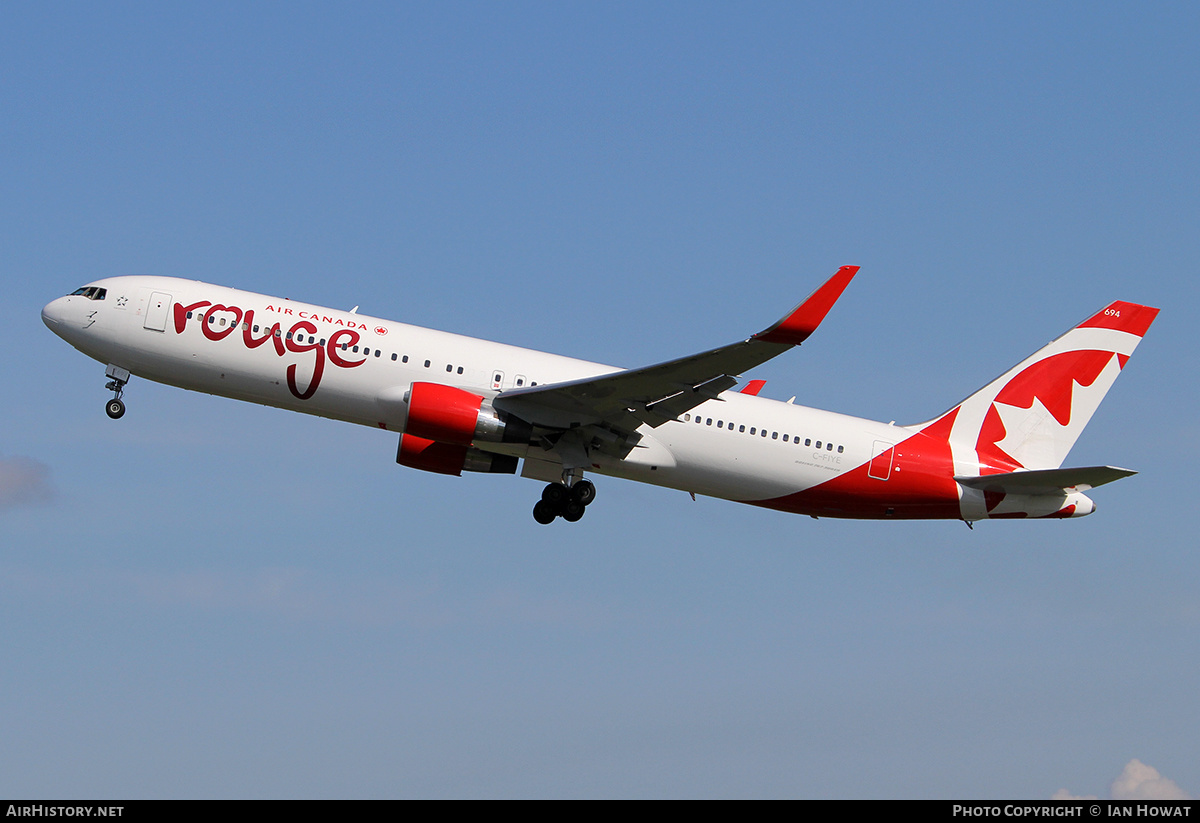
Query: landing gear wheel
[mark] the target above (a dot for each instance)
(567, 503)
(544, 513)
(119, 377)
(584, 491)
(556, 494)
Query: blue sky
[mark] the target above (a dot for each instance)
(216, 599)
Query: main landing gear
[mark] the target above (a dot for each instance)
(115, 408)
(559, 500)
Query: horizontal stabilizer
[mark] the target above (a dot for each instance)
(1046, 481)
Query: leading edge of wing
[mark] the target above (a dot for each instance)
(658, 393)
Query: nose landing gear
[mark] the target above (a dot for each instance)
(567, 502)
(115, 408)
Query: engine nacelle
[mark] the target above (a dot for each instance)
(450, 458)
(449, 415)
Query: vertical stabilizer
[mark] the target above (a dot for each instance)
(1031, 416)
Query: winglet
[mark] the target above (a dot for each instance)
(804, 319)
(753, 387)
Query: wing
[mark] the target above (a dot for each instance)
(624, 400)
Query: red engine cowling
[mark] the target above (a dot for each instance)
(442, 413)
(454, 416)
(450, 458)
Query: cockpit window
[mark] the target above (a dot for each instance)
(91, 292)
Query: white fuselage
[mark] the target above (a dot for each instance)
(356, 368)
(464, 404)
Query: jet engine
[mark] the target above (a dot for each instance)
(450, 458)
(448, 415)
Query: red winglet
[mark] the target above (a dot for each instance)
(1122, 316)
(804, 319)
(754, 387)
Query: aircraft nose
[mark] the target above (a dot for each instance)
(52, 313)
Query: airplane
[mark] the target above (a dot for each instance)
(464, 404)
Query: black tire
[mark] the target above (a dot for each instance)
(572, 511)
(556, 494)
(584, 491)
(544, 513)
(114, 408)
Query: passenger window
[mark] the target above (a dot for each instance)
(426, 364)
(741, 429)
(785, 438)
(449, 368)
(818, 444)
(393, 357)
(841, 449)
(828, 447)
(774, 435)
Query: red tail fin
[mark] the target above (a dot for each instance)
(1031, 416)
